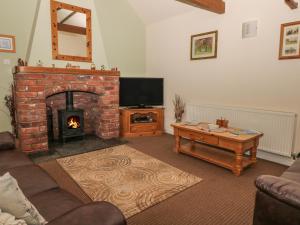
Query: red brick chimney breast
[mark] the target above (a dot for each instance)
(35, 86)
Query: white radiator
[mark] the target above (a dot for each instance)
(278, 127)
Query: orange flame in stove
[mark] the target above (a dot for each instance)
(73, 124)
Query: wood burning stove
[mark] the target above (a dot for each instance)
(70, 120)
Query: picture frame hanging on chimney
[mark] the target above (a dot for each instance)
(7, 43)
(290, 41)
(204, 45)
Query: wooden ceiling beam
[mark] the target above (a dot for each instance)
(216, 6)
(292, 4)
(71, 29)
(68, 17)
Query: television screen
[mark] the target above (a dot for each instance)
(141, 92)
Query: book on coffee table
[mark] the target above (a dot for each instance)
(242, 131)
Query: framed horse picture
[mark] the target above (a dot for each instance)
(204, 46)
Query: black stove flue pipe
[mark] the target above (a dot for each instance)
(69, 101)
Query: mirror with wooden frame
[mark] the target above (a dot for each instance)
(71, 32)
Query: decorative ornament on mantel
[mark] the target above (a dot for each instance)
(22, 62)
(70, 66)
(39, 63)
(93, 66)
(179, 107)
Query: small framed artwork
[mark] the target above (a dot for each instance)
(204, 46)
(7, 43)
(290, 41)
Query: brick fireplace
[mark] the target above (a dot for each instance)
(97, 91)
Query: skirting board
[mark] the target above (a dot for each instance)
(275, 158)
(261, 154)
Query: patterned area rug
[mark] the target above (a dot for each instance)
(126, 177)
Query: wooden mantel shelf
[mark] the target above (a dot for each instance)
(50, 70)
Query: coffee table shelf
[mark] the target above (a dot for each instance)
(219, 157)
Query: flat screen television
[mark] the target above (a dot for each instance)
(141, 92)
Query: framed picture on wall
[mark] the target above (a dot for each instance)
(204, 46)
(290, 41)
(7, 43)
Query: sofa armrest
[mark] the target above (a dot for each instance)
(280, 188)
(97, 213)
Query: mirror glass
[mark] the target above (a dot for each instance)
(71, 33)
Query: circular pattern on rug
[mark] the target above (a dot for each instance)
(127, 178)
(123, 195)
(110, 163)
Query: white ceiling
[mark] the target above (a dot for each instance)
(151, 11)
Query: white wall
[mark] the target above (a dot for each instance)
(123, 36)
(42, 47)
(20, 26)
(247, 72)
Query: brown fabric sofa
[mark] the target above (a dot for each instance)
(56, 205)
(278, 198)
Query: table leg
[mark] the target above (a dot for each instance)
(177, 144)
(238, 163)
(253, 152)
(177, 141)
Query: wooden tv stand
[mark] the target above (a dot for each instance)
(141, 122)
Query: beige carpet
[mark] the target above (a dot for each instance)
(129, 179)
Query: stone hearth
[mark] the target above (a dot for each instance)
(36, 86)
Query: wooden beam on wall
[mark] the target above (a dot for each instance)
(292, 4)
(216, 6)
(71, 29)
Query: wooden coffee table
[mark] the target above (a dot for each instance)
(226, 143)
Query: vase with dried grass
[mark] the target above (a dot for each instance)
(9, 100)
(179, 107)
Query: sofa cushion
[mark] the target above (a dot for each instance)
(293, 172)
(103, 213)
(14, 202)
(6, 141)
(295, 167)
(32, 179)
(13, 158)
(54, 203)
(293, 176)
(8, 219)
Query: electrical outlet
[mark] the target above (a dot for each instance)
(6, 61)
